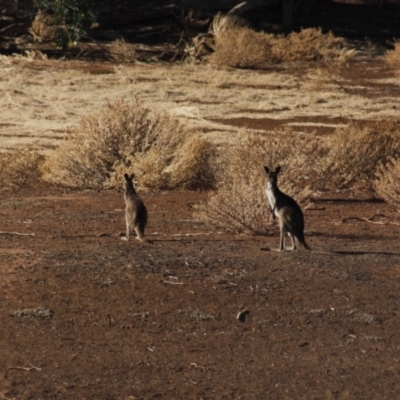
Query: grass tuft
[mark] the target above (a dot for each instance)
(392, 57)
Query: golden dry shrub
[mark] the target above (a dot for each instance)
(20, 166)
(356, 151)
(129, 137)
(241, 47)
(240, 204)
(122, 51)
(311, 44)
(43, 27)
(387, 182)
(392, 57)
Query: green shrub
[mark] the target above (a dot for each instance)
(71, 19)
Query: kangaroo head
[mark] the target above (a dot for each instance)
(128, 183)
(272, 175)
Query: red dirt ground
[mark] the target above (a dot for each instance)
(158, 321)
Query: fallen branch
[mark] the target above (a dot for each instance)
(32, 367)
(312, 207)
(16, 233)
(173, 283)
(190, 234)
(370, 220)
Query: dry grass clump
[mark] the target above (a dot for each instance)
(126, 136)
(356, 151)
(202, 45)
(350, 155)
(312, 45)
(43, 27)
(20, 166)
(387, 182)
(240, 203)
(242, 47)
(122, 52)
(392, 57)
(222, 23)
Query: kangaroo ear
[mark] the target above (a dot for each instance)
(131, 176)
(266, 170)
(126, 177)
(278, 169)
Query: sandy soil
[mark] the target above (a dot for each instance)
(85, 315)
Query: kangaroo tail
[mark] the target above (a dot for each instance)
(302, 242)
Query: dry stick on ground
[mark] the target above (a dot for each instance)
(32, 367)
(178, 48)
(370, 220)
(16, 233)
(335, 81)
(191, 234)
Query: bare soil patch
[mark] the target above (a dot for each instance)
(87, 315)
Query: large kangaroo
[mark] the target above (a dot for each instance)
(291, 218)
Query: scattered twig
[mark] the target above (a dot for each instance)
(16, 233)
(194, 365)
(32, 367)
(173, 283)
(107, 51)
(6, 398)
(178, 48)
(10, 26)
(368, 219)
(312, 207)
(190, 234)
(235, 218)
(102, 234)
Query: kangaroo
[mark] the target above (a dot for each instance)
(135, 212)
(291, 218)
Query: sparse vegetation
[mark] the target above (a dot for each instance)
(241, 47)
(387, 183)
(356, 152)
(350, 155)
(128, 136)
(20, 167)
(122, 51)
(38, 312)
(65, 21)
(392, 57)
(240, 204)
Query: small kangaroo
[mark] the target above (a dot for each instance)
(135, 212)
(291, 218)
